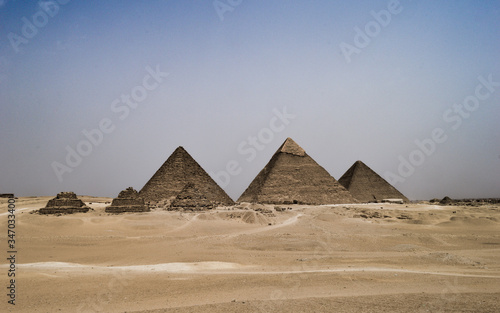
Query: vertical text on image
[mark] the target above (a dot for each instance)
(11, 250)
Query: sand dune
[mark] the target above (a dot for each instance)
(345, 258)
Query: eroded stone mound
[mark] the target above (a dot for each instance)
(191, 199)
(446, 201)
(64, 203)
(127, 201)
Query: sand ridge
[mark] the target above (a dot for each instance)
(225, 268)
(305, 258)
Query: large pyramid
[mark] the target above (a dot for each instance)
(367, 186)
(180, 169)
(292, 176)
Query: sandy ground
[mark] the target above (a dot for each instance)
(339, 258)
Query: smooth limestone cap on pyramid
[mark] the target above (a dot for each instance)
(367, 186)
(180, 169)
(292, 176)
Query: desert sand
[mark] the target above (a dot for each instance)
(252, 258)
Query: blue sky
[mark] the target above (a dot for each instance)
(228, 72)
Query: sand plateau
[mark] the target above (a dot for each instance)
(259, 258)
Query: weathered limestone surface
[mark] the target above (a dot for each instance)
(292, 176)
(190, 199)
(368, 186)
(179, 170)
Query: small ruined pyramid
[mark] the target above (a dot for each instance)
(446, 201)
(180, 169)
(128, 200)
(292, 176)
(190, 199)
(64, 203)
(367, 186)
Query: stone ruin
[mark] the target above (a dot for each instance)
(446, 201)
(191, 199)
(127, 201)
(64, 203)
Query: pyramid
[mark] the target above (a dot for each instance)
(292, 176)
(190, 198)
(65, 203)
(180, 169)
(446, 200)
(127, 201)
(367, 186)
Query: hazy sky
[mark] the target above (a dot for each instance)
(347, 80)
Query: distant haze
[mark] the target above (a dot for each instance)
(95, 95)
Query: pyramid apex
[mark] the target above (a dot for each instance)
(291, 147)
(180, 151)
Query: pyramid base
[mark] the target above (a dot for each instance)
(190, 208)
(302, 202)
(63, 210)
(123, 209)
